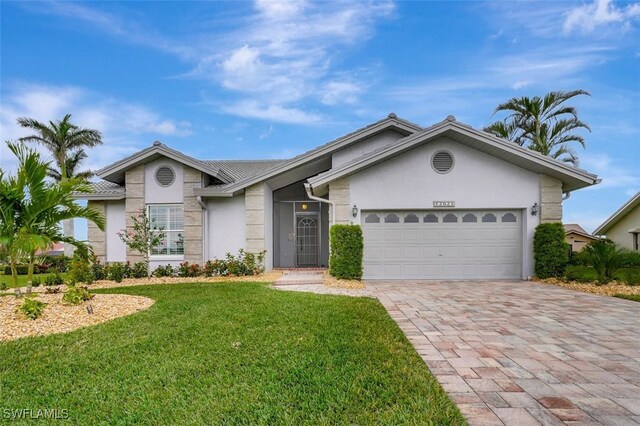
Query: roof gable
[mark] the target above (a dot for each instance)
(626, 208)
(115, 172)
(572, 178)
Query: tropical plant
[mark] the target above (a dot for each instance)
(32, 308)
(542, 124)
(31, 209)
(143, 236)
(66, 143)
(604, 255)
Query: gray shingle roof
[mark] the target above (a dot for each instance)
(104, 187)
(242, 169)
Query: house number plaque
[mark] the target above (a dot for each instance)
(444, 204)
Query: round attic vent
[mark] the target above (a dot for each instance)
(165, 176)
(442, 162)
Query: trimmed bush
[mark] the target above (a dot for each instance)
(549, 250)
(53, 280)
(163, 271)
(139, 270)
(583, 274)
(629, 259)
(347, 246)
(21, 269)
(632, 276)
(117, 272)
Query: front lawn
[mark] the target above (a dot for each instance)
(229, 354)
(634, 297)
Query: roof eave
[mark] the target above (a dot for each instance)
(98, 197)
(618, 214)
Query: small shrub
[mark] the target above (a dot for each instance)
(346, 251)
(116, 272)
(629, 259)
(127, 270)
(3, 286)
(549, 250)
(53, 279)
(36, 282)
(77, 295)
(215, 268)
(80, 271)
(581, 274)
(242, 264)
(52, 290)
(189, 270)
(58, 262)
(163, 271)
(632, 276)
(98, 270)
(32, 308)
(139, 270)
(604, 256)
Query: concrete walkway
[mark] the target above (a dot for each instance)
(518, 353)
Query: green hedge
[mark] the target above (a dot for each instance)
(346, 252)
(550, 251)
(21, 269)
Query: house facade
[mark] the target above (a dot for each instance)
(440, 202)
(623, 227)
(577, 237)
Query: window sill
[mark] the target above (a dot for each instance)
(154, 257)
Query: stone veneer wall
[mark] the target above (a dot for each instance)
(254, 217)
(550, 199)
(339, 195)
(97, 238)
(193, 217)
(134, 203)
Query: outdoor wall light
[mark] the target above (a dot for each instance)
(534, 209)
(354, 210)
(304, 206)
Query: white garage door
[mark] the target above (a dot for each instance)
(442, 244)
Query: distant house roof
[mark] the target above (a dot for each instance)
(574, 228)
(57, 249)
(619, 214)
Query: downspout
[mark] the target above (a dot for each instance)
(307, 187)
(205, 226)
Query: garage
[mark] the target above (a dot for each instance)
(447, 244)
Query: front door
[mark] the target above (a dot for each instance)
(307, 241)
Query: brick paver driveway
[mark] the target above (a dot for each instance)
(518, 353)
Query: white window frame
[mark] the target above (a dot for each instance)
(167, 256)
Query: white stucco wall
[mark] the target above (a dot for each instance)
(226, 226)
(156, 194)
(115, 216)
(362, 147)
(477, 181)
(620, 231)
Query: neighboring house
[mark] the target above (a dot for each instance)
(441, 202)
(577, 237)
(56, 249)
(623, 227)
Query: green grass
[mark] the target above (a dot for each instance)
(22, 279)
(229, 354)
(634, 297)
(588, 274)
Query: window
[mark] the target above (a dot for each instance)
(391, 218)
(372, 218)
(489, 217)
(509, 217)
(450, 218)
(169, 218)
(431, 218)
(411, 218)
(469, 217)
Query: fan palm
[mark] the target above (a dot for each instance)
(32, 207)
(542, 124)
(66, 143)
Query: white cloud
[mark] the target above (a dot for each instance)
(600, 13)
(612, 173)
(336, 92)
(125, 126)
(254, 109)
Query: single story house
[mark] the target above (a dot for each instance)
(623, 227)
(577, 237)
(440, 202)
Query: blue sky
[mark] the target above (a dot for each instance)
(273, 79)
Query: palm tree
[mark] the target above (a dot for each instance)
(31, 209)
(542, 124)
(66, 142)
